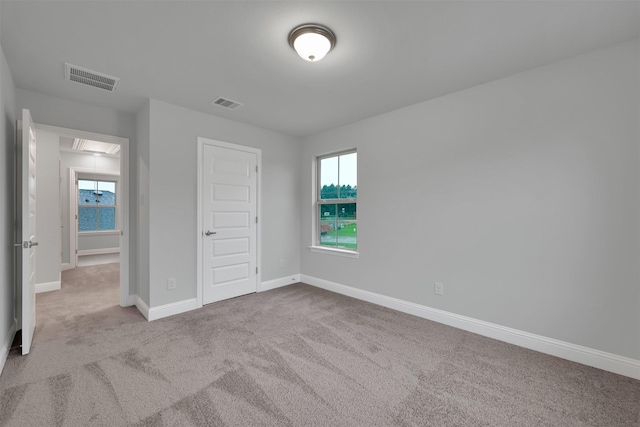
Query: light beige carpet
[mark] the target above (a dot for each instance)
(294, 356)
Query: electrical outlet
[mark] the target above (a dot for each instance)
(171, 283)
(438, 288)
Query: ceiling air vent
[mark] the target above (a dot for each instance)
(227, 103)
(73, 73)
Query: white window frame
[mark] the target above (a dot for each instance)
(76, 173)
(114, 179)
(317, 202)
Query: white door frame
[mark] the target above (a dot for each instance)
(125, 300)
(73, 204)
(258, 152)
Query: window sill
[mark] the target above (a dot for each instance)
(98, 233)
(335, 251)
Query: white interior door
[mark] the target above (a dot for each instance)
(28, 205)
(229, 265)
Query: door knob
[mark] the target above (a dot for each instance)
(26, 245)
(209, 233)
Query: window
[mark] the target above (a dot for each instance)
(96, 205)
(337, 201)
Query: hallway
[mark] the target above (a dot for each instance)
(88, 301)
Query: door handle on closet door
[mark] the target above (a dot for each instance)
(209, 233)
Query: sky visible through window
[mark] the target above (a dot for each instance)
(91, 185)
(348, 170)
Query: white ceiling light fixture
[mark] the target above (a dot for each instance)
(312, 41)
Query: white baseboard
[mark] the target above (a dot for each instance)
(65, 266)
(277, 283)
(142, 307)
(6, 344)
(98, 251)
(167, 310)
(48, 286)
(575, 353)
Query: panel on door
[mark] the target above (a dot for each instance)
(230, 230)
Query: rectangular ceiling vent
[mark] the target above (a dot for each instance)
(73, 73)
(227, 103)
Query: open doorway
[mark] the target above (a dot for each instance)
(91, 217)
(94, 215)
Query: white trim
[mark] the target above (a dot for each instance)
(48, 286)
(314, 199)
(142, 307)
(335, 251)
(575, 353)
(155, 313)
(171, 309)
(83, 252)
(99, 233)
(6, 345)
(73, 133)
(316, 202)
(200, 188)
(123, 194)
(124, 218)
(65, 266)
(73, 221)
(277, 283)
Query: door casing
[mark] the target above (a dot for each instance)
(125, 299)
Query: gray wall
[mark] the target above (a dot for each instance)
(47, 208)
(85, 161)
(54, 111)
(7, 201)
(521, 196)
(106, 240)
(172, 202)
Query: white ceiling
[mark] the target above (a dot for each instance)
(389, 54)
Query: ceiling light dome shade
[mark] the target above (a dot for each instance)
(312, 41)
